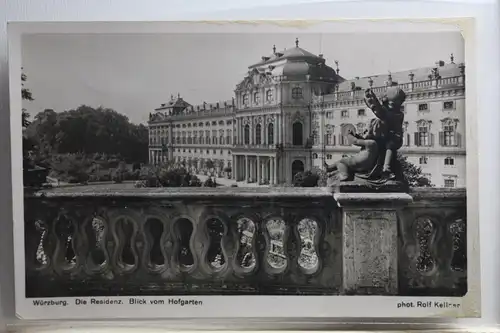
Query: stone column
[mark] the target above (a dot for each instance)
(277, 129)
(370, 241)
(264, 131)
(234, 168)
(246, 168)
(252, 131)
(275, 170)
(238, 131)
(271, 166)
(259, 174)
(263, 171)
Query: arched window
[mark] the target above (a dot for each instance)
(297, 93)
(449, 161)
(345, 129)
(315, 156)
(270, 133)
(258, 134)
(214, 137)
(297, 134)
(247, 134)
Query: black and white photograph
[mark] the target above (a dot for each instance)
(193, 169)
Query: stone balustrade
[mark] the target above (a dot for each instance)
(89, 241)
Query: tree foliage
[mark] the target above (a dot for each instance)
(26, 95)
(413, 174)
(86, 130)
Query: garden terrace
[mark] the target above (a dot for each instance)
(98, 241)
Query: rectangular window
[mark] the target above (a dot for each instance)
(449, 136)
(423, 107)
(329, 139)
(423, 136)
(329, 115)
(361, 113)
(449, 183)
(449, 105)
(344, 113)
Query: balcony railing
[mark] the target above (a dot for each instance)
(90, 241)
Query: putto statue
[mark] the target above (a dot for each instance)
(376, 163)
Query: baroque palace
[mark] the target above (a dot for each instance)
(292, 112)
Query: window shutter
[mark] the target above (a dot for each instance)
(333, 139)
(458, 139)
(407, 139)
(441, 139)
(416, 139)
(431, 142)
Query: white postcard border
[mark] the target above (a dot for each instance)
(250, 306)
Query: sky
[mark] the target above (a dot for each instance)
(133, 74)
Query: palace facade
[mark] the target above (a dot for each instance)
(292, 111)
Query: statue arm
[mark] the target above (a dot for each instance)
(357, 141)
(373, 104)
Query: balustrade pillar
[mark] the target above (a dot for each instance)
(370, 235)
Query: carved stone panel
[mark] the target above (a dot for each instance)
(370, 267)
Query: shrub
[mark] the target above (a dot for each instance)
(306, 179)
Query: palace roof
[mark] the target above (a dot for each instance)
(419, 74)
(174, 103)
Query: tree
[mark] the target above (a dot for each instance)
(209, 164)
(413, 174)
(305, 179)
(26, 95)
(89, 131)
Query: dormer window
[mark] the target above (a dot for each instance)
(297, 93)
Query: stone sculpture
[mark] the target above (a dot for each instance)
(375, 165)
